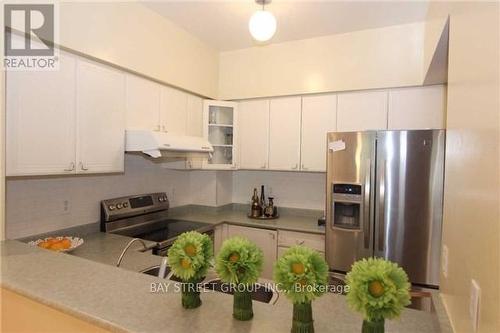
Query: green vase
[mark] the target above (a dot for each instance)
(191, 294)
(376, 326)
(242, 304)
(302, 318)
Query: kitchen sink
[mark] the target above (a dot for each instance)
(156, 269)
(260, 292)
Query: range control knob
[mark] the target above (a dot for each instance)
(160, 199)
(111, 207)
(165, 199)
(119, 206)
(125, 204)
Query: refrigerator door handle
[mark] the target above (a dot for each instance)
(367, 204)
(381, 212)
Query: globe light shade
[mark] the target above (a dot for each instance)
(262, 25)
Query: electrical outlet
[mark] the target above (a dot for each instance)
(66, 208)
(444, 261)
(475, 299)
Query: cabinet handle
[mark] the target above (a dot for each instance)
(83, 167)
(263, 166)
(71, 167)
(304, 167)
(272, 235)
(300, 242)
(157, 128)
(295, 167)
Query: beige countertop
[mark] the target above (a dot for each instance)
(88, 285)
(302, 220)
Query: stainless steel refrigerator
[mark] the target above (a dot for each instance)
(384, 199)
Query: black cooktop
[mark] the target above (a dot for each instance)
(163, 230)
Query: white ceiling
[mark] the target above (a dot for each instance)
(224, 24)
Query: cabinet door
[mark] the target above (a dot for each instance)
(254, 134)
(417, 108)
(194, 115)
(143, 104)
(100, 118)
(361, 111)
(173, 115)
(220, 128)
(40, 120)
(318, 118)
(284, 133)
(264, 239)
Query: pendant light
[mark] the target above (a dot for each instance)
(262, 24)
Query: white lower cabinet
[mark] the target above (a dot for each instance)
(100, 119)
(273, 243)
(287, 239)
(267, 240)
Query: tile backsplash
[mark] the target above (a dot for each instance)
(42, 204)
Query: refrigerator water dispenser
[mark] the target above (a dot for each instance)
(346, 206)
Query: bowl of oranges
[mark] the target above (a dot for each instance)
(58, 244)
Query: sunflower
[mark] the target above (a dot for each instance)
(190, 255)
(302, 274)
(378, 288)
(239, 261)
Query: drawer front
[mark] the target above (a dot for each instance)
(291, 238)
(282, 250)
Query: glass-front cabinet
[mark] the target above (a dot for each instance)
(220, 129)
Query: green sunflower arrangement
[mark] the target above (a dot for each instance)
(239, 263)
(302, 274)
(379, 290)
(190, 257)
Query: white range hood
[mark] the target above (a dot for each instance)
(154, 143)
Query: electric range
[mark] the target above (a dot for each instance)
(146, 217)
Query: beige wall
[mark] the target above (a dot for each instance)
(377, 58)
(471, 227)
(130, 35)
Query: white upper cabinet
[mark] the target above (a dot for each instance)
(318, 118)
(194, 115)
(100, 118)
(220, 128)
(40, 120)
(254, 134)
(417, 107)
(284, 133)
(361, 111)
(173, 111)
(143, 103)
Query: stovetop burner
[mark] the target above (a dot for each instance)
(166, 230)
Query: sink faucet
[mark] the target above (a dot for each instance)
(127, 247)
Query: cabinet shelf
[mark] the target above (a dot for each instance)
(224, 146)
(220, 125)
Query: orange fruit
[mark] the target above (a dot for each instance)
(66, 243)
(44, 245)
(52, 240)
(185, 263)
(376, 288)
(298, 268)
(57, 246)
(234, 257)
(190, 250)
